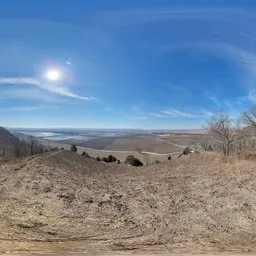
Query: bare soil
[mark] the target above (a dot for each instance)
(198, 202)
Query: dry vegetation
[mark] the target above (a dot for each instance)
(121, 155)
(203, 200)
(143, 143)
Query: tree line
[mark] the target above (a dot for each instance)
(22, 146)
(228, 135)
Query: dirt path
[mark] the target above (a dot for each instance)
(171, 143)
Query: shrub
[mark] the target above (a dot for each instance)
(157, 162)
(133, 161)
(62, 148)
(111, 158)
(210, 148)
(186, 151)
(54, 149)
(98, 158)
(85, 154)
(104, 159)
(169, 158)
(118, 161)
(73, 148)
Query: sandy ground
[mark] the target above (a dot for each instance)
(81, 248)
(202, 202)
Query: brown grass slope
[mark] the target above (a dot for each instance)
(200, 199)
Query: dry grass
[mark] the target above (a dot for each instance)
(121, 155)
(146, 143)
(246, 154)
(201, 200)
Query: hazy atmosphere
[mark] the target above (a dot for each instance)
(164, 64)
(127, 127)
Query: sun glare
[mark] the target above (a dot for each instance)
(53, 75)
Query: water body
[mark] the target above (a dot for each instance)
(55, 136)
(80, 135)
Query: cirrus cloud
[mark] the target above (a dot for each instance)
(50, 87)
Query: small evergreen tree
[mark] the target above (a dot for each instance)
(104, 159)
(133, 161)
(73, 148)
(85, 154)
(111, 158)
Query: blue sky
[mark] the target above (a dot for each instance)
(125, 64)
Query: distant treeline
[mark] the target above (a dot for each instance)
(19, 146)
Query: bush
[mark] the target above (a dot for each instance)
(85, 154)
(210, 148)
(98, 158)
(54, 149)
(133, 161)
(104, 159)
(62, 148)
(157, 162)
(73, 148)
(111, 158)
(186, 151)
(169, 158)
(118, 161)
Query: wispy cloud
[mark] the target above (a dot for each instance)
(29, 93)
(150, 15)
(252, 95)
(176, 113)
(137, 109)
(157, 115)
(50, 87)
(174, 87)
(215, 101)
(28, 108)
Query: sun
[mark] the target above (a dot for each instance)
(53, 75)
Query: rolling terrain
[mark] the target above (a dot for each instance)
(148, 148)
(7, 140)
(198, 201)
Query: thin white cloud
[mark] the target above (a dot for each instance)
(21, 109)
(176, 113)
(239, 56)
(252, 96)
(50, 87)
(152, 15)
(157, 115)
(27, 108)
(29, 93)
(174, 87)
(215, 101)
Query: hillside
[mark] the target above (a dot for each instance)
(200, 200)
(6, 138)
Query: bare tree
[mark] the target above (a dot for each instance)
(33, 145)
(220, 126)
(204, 141)
(19, 147)
(249, 117)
